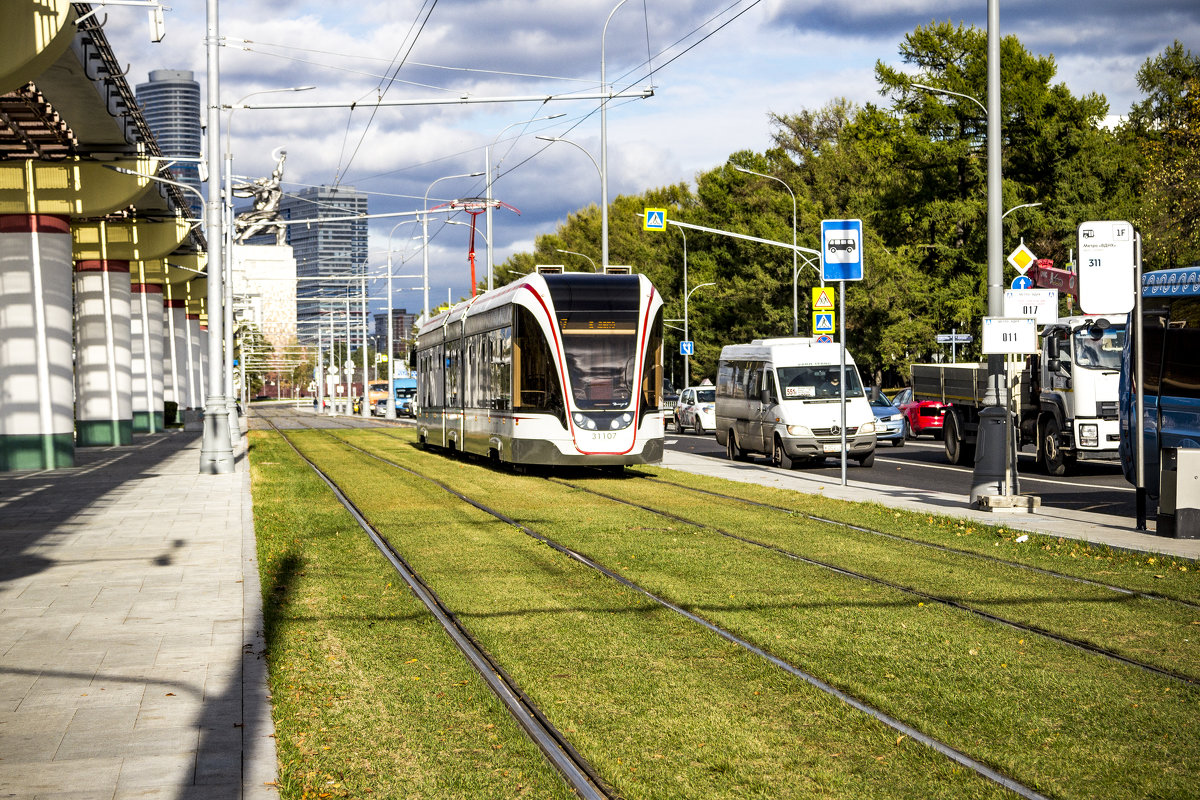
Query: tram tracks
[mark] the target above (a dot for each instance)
(982, 557)
(904, 729)
(601, 565)
(1081, 644)
(573, 767)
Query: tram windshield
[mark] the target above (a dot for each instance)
(598, 319)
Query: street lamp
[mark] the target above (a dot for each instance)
(216, 447)
(795, 266)
(391, 401)
(581, 255)
(604, 144)
(603, 195)
(687, 372)
(425, 229)
(1014, 208)
(984, 484)
(234, 427)
(488, 167)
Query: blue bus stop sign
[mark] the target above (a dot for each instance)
(842, 249)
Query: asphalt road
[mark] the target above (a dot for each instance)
(1095, 487)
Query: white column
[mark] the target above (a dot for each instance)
(103, 361)
(37, 394)
(147, 347)
(175, 381)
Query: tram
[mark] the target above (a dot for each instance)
(552, 369)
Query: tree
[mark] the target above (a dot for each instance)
(1168, 126)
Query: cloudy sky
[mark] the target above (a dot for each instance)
(718, 68)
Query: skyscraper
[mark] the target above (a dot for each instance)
(332, 249)
(171, 105)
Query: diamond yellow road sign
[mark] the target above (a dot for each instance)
(1022, 258)
(822, 298)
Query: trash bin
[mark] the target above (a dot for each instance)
(1179, 493)
(193, 419)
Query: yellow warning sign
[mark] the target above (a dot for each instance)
(822, 298)
(1022, 258)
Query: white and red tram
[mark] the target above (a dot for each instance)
(550, 369)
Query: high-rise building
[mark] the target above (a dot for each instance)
(332, 249)
(171, 105)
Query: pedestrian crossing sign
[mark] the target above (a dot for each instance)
(655, 219)
(822, 298)
(822, 322)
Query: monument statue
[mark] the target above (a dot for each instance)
(265, 214)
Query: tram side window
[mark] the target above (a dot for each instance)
(536, 383)
(1181, 351)
(652, 377)
(500, 369)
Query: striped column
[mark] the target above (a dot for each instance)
(147, 347)
(103, 360)
(37, 420)
(175, 380)
(195, 371)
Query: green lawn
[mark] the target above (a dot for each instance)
(664, 708)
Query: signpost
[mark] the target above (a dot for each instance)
(1022, 258)
(954, 339)
(1106, 267)
(841, 261)
(1041, 304)
(655, 219)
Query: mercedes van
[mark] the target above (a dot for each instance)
(782, 398)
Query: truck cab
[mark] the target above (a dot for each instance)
(1079, 374)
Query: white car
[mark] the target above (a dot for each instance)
(697, 409)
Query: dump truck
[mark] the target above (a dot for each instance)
(1064, 400)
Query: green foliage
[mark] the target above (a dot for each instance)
(914, 169)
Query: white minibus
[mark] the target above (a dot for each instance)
(780, 397)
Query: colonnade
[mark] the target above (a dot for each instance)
(101, 313)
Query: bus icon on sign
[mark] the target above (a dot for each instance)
(846, 245)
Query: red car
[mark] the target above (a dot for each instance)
(920, 416)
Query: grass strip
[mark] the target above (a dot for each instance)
(1157, 632)
(369, 696)
(1169, 576)
(1066, 722)
(661, 707)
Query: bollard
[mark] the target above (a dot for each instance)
(990, 463)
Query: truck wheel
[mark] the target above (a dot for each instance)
(1053, 458)
(779, 456)
(957, 451)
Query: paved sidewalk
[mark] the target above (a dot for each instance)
(131, 630)
(1099, 528)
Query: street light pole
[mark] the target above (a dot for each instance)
(216, 450)
(487, 158)
(687, 374)
(795, 265)
(604, 144)
(234, 427)
(425, 231)
(581, 255)
(391, 401)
